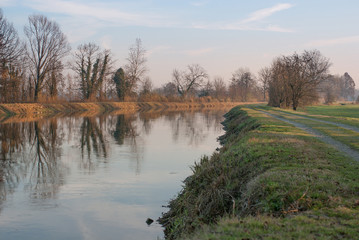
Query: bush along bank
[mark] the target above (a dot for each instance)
(269, 180)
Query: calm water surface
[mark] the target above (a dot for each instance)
(98, 177)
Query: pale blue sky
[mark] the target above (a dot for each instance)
(222, 36)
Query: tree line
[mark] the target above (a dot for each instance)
(33, 70)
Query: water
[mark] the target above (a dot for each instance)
(98, 177)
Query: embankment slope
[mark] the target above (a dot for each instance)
(270, 180)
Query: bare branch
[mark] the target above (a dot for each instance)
(189, 80)
(46, 45)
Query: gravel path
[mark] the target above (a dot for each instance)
(325, 138)
(348, 127)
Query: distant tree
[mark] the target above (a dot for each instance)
(243, 82)
(186, 81)
(348, 87)
(168, 89)
(91, 66)
(219, 88)
(207, 89)
(264, 77)
(146, 86)
(46, 45)
(330, 89)
(135, 68)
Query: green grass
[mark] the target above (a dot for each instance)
(350, 110)
(339, 223)
(345, 114)
(348, 137)
(274, 172)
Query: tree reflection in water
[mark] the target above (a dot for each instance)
(194, 125)
(11, 147)
(45, 169)
(126, 133)
(125, 128)
(92, 142)
(31, 152)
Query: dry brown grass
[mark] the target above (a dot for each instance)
(37, 111)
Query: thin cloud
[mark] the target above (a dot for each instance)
(250, 23)
(266, 12)
(85, 20)
(242, 27)
(96, 10)
(116, 15)
(334, 41)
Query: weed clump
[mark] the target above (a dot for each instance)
(213, 188)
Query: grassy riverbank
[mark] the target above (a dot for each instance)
(270, 180)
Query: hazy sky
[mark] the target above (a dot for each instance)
(220, 35)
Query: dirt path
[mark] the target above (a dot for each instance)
(348, 127)
(325, 138)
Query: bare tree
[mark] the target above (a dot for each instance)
(187, 81)
(168, 89)
(244, 82)
(206, 90)
(329, 89)
(146, 86)
(11, 81)
(219, 88)
(11, 72)
(135, 68)
(46, 45)
(10, 46)
(278, 88)
(92, 67)
(264, 77)
(54, 80)
(296, 77)
(71, 90)
(348, 87)
(305, 72)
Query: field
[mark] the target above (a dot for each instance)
(279, 175)
(346, 114)
(349, 110)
